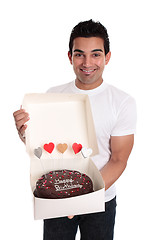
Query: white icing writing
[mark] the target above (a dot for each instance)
(67, 186)
(58, 181)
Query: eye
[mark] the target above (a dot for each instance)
(96, 55)
(78, 55)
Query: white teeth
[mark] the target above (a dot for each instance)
(87, 71)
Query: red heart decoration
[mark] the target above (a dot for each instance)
(49, 147)
(76, 147)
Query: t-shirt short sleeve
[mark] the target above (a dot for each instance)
(126, 118)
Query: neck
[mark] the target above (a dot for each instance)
(85, 86)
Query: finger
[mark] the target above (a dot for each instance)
(22, 130)
(20, 123)
(70, 217)
(20, 116)
(18, 112)
(21, 133)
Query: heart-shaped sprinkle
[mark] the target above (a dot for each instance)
(86, 152)
(62, 147)
(38, 152)
(49, 147)
(76, 147)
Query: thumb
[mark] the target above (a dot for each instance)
(70, 217)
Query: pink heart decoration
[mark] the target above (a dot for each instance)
(49, 147)
(76, 147)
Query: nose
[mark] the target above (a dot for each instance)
(87, 61)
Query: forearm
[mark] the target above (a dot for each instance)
(112, 171)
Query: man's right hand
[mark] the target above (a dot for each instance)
(21, 117)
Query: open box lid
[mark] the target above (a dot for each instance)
(59, 118)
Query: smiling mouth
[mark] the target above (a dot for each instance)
(87, 71)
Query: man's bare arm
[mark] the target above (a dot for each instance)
(121, 147)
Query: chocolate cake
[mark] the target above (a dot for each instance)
(63, 184)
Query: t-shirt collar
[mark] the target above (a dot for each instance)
(94, 91)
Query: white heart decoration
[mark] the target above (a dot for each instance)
(86, 152)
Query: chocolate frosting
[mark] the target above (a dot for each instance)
(63, 184)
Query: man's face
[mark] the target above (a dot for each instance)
(88, 60)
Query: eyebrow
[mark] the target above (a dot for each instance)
(97, 50)
(78, 50)
(94, 50)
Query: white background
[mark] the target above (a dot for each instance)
(33, 57)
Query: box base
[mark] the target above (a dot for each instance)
(53, 208)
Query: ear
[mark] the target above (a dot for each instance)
(70, 57)
(108, 56)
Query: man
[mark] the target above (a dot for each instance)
(114, 114)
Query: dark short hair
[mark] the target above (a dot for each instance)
(90, 29)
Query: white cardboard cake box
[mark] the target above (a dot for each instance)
(62, 118)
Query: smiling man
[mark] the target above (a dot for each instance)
(114, 115)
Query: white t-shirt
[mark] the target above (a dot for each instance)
(114, 114)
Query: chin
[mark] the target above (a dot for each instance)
(87, 82)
